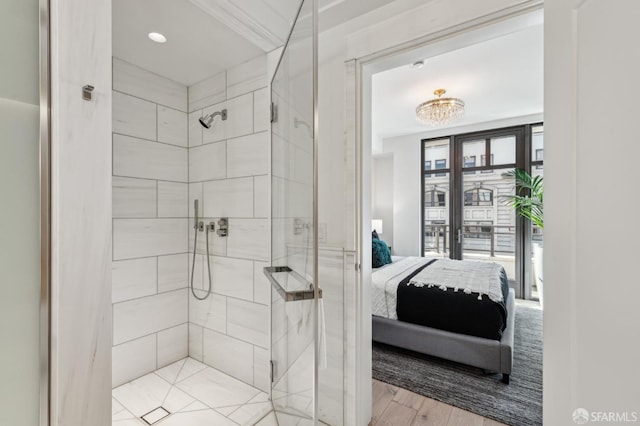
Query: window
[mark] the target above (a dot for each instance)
(480, 229)
(427, 168)
(462, 212)
(483, 162)
(434, 198)
(539, 157)
(435, 227)
(470, 161)
(478, 197)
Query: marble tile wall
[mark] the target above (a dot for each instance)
(228, 173)
(150, 220)
(80, 153)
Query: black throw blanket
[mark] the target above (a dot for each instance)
(453, 311)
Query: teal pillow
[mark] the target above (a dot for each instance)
(380, 253)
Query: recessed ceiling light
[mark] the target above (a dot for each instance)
(157, 37)
(417, 64)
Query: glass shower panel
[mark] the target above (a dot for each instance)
(293, 313)
(20, 218)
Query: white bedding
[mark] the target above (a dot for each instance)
(385, 282)
(468, 276)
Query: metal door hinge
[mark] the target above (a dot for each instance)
(87, 90)
(272, 365)
(274, 113)
(357, 266)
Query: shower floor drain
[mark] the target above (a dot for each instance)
(154, 416)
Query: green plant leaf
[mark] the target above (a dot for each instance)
(529, 199)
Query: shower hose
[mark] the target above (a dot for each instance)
(193, 264)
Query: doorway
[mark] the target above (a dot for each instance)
(475, 199)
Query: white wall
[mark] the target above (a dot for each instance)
(150, 217)
(382, 192)
(406, 195)
(591, 289)
(81, 213)
(228, 174)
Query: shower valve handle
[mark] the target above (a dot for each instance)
(223, 227)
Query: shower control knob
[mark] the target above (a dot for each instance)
(223, 227)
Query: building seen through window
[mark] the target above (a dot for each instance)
(478, 197)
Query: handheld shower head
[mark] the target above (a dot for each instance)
(207, 120)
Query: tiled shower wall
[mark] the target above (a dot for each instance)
(228, 173)
(150, 220)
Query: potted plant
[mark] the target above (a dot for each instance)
(528, 202)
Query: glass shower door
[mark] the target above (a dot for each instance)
(293, 273)
(21, 112)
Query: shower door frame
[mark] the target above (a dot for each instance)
(317, 293)
(45, 212)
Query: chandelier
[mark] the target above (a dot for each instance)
(440, 111)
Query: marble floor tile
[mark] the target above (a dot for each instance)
(180, 370)
(197, 418)
(288, 420)
(251, 412)
(129, 422)
(195, 406)
(116, 407)
(171, 371)
(217, 389)
(176, 400)
(193, 394)
(142, 395)
(191, 367)
(122, 416)
(226, 411)
(268, 420)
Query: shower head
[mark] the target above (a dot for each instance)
(207, 120)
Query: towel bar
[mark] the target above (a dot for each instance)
(304, 290)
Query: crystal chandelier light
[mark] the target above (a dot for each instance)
(440, 111)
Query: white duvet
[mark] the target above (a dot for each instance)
(466, 276)
(384, 293)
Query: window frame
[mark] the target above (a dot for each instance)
(444, 163)
(434, 191)
(465, 166)
(455, 201)
(475, 201)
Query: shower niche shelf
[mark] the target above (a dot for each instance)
(290, 285)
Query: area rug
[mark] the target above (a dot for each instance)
(468, 388)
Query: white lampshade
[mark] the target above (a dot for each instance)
(376, 224)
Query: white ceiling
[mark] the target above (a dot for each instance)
(197, 46)
(208, 36)
(497, 79)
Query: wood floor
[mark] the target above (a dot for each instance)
(393, 406)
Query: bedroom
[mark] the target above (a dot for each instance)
(434, 196)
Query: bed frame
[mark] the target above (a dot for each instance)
(491, 355)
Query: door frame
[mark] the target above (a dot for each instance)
(359, 72)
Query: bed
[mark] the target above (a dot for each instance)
(428, 306)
